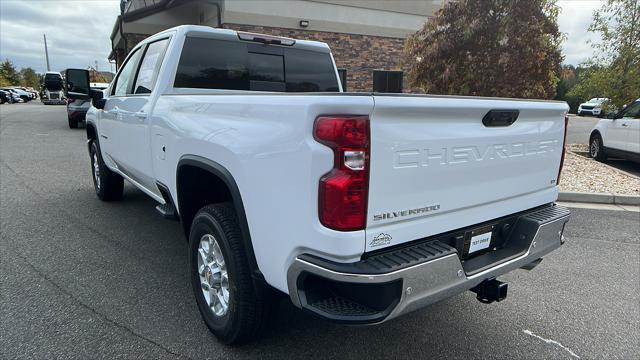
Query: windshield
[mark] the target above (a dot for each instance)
(597, 100)
(53, 82)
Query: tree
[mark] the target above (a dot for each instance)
(488, 48)
(8, 74)
(568, 79)
(29, 78)
(615, 68)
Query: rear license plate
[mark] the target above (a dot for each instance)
(477, 240)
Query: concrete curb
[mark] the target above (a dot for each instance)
(599, 198)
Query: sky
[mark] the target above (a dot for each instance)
(78, 31)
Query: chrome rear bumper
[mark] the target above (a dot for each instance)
(424, 283)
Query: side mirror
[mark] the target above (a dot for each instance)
(611, 115)
(76, 84)
(97, 99)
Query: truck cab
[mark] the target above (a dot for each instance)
(52, 92)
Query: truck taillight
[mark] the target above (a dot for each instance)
(564, 145)
(343, 192)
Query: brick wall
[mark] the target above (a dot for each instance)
(358, 54)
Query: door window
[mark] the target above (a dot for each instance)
(124, 79)
(633, 111)
(150, 67)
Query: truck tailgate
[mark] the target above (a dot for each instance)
(436, 167)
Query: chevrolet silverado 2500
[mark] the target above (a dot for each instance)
(360, 207)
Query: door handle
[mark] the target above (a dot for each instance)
(625, 124)
(141, 115)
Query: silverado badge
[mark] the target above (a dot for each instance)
(380, 239)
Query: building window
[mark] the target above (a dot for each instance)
(387, 81)
(343, 78)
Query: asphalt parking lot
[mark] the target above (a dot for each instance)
(80, 278)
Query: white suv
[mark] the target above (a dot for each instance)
(618, 136)
(593, 107)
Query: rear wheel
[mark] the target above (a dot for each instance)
(108, 185)
(221, 277)
(596, 150)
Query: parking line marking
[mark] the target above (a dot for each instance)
(553, 342)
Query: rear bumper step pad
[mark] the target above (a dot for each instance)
(388, 284)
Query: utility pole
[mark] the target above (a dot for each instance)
(46, 51)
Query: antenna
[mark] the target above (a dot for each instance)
(46, 51)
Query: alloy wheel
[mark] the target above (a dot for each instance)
(214, 280)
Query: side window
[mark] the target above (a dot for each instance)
(212, 64)
(633, 111)
(150, 67)
(124, 78)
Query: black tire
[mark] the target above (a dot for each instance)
(596, 148)
(73, 123)
(108, 185)
(247, 315)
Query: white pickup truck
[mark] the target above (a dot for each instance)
(360, 207)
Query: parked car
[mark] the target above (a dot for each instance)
(618, 135)
(359, 207)
(77, 108)
(25, 96)
(15, 96)
(5, 97)
(593, 107)
(31, 94)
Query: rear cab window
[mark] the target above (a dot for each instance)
(207, 63)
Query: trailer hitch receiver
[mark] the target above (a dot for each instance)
(490, 290)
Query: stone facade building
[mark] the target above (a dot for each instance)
(366, 36)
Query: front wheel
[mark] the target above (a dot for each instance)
(596, 150)
(221, 277)
(108, 185)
